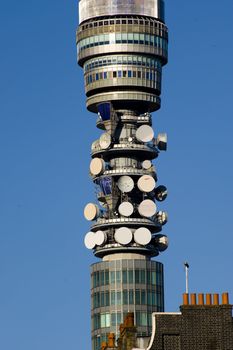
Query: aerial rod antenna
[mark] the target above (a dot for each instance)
(186, 266)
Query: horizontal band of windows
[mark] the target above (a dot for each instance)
(105, 320)
(123, 38)
(152, 76)
(124, 21)
(123, 60)
(142, 276)
(128, 297)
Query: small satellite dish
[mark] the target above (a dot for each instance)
(162, 242)
(161, 193)
(100, 238)
(147, 208)
(145, 133)
(123, 235)
(146, 183)
(126, 209)
(97, 166)
(89, 240)
(162, 217)
(91, 211)
(146, 164)
(105, 140)
(125, 184)
(142, 236)
(162, 142)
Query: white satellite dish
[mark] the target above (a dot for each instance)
(91, 211)
(146, 164)
(89, 240)
(126, 209)
(162, 242)
(147, 208)
(123, 235)
(100, 238)
(125, 184)
(105, 140)
(142, 236)
(97, 166)
(146, 183)
(145, 133)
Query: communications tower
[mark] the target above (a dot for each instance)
(122, 47)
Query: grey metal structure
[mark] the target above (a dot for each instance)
(122, 47)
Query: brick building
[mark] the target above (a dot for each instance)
(203, 323)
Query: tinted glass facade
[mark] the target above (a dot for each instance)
(120, 286)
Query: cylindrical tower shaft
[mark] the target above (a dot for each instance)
(122, 47)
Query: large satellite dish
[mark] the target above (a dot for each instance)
(89, 240)
(100, 238)
(97, 166)
(123, 235)
(146, 164)
(105, 140)
(91, 211)
(126, 209)
(125, 184)
(142, 236)
(147, 208)
(145, 133)
(146, 183)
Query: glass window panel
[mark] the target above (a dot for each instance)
(149, 297)
(113, 298)
(118, 38)
(131, 297)
(130, 272)
(114, 74)
(124, 275)
(144, 319)
(124, 38)
(143, 297)
(129, 74)
(119, 302)
(137, 276)
(153, 301)
(119, 74)
(113, 319)
(137, 297)
(153, 277)
(105, 75)
(136, 38)
(138, 318)
(125, 297)
(102, 302)
(106, 277)
(107, 320)
(119, 318)
(97, 273)
(106, 298)
(102, 320)
(97, 76)
(134, 74)
(124, 73)
(130, 38)
(118, 276)
(141, 38)
(148, 276)
(112, 276)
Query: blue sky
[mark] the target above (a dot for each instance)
(45, 138)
